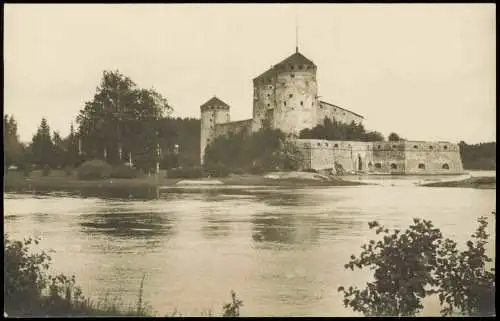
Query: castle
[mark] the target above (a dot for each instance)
(286, 98)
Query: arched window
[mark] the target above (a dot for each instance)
(378, 165)
(445, 166)
(394, 166)
(336, 145)
(370, 164)
(378, 146)
(421, 166)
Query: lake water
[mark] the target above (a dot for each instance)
(282, 250)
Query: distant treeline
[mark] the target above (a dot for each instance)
(480, 156)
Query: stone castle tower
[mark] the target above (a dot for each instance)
(213, 112)
(286, 95)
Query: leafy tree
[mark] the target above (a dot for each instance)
(410, 265)
(13, 149)
(266, 149)
(393, 137)
(121, 115)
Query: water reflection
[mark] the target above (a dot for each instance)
(128, 224)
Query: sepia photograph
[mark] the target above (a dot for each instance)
(249, 160)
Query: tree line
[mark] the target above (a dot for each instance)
(332, 129)
(479, 156)
(121, 123)
(125, 123)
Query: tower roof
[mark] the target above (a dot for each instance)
(295, 59)
(214, 102)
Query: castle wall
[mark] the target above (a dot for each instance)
(296, 97)
(326, 110)
(233, 127)
(323, 154)
(432, 158)
(388, 158)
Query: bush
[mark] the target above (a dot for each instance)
(189, 172)
(68, 170)
(94, 169)
(410, 265)
(124, 171)
(46, 170)
(217, 171)
(257, 170)
(237, 171)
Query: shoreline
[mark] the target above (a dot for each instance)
(480, 182)
(16, 181)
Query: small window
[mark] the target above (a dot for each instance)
(430, 147)
(302, 103)
(300, 67)
(378, 146)
(308, 67)
(445, 147)
(284, 103)
(291, 67)
(290, 95)
(421, 166)
(326, 144)
(268, 95)
(319, 144)
(394, 166)
(269, 80)
(393, 146)
(415, 146)
(292, 75)
(268, 105)
(445, 166)
(370, 164)
(378, 165)
(336, 145)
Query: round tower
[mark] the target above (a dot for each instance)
(213, 112)
(296, 94)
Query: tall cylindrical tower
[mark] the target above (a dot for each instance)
(213, 112)
(296, 94)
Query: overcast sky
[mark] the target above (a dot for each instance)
(426, 72)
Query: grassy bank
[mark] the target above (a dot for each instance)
(473, 182)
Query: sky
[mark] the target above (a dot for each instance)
(424, 71)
